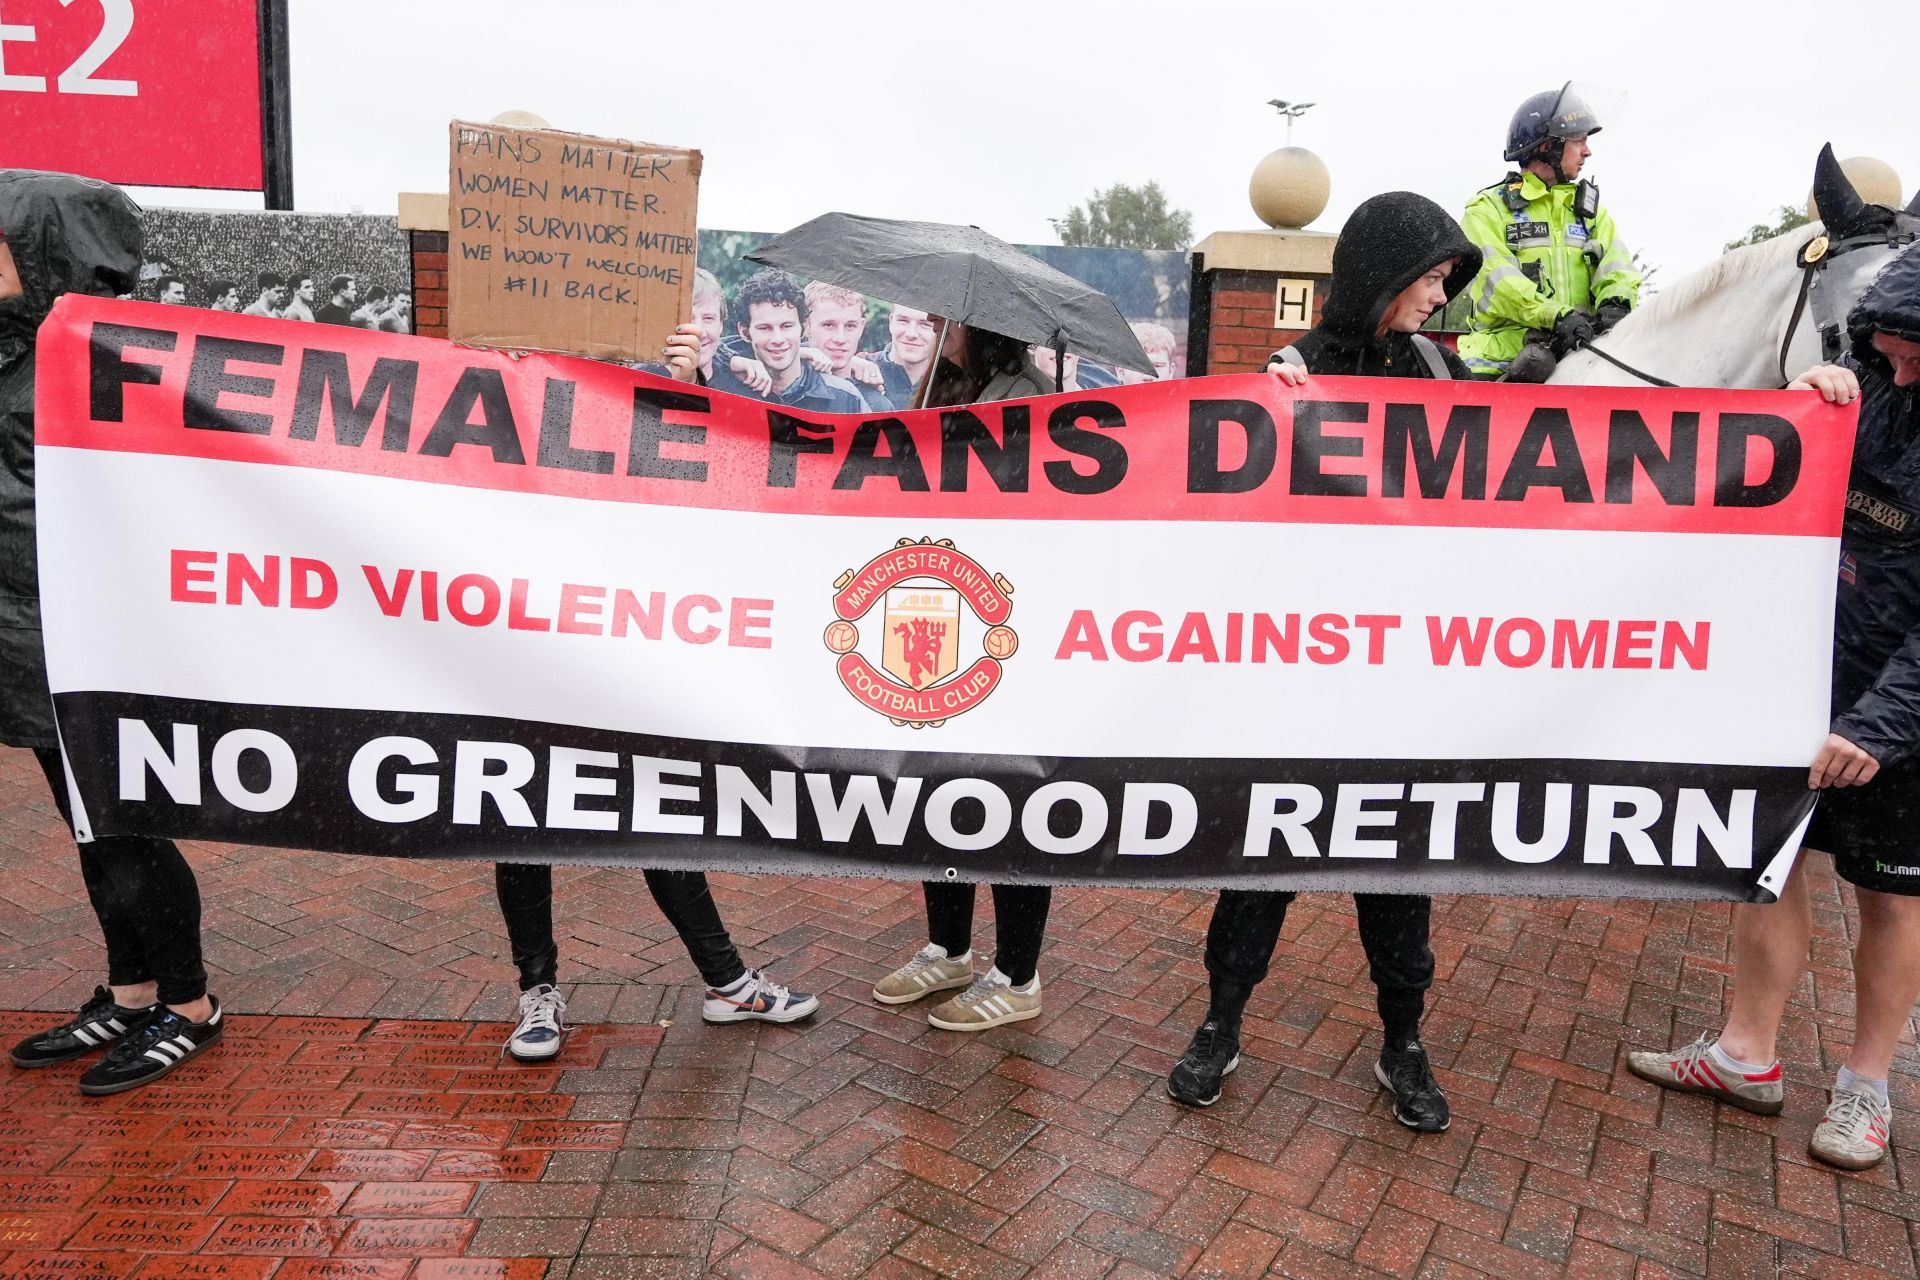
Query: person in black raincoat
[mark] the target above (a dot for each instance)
(1868, 769)
(1369, 325)
(1399, 259)
(62, 234)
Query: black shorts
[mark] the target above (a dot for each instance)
(1873, 832)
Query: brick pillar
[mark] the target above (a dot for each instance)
(423, 216)
(1241, 334)
(1238, 278)
(429, 283)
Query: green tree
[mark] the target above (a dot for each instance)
(1785, 219)
(1124, 217)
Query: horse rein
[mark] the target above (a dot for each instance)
(1624, 367)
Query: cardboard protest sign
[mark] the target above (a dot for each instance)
(564, 242)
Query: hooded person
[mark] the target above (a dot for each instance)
(1876, 640)
(63, 234)
(1400, 258)
(1868, 820)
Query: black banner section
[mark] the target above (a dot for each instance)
(408, 784)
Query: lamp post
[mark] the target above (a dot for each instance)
(1291, 110)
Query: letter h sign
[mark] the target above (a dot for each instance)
(1293, 304)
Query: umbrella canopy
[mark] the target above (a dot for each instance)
(961, 273)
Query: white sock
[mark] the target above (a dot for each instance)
(1723, 1059)
(965, 957)
(1849, 1079)
(1028, 988)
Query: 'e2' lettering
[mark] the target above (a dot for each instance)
(116, 25)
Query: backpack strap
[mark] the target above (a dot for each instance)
(1429, 352)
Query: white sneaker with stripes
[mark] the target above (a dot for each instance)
(991, 1001)
(1855, 1131)
(1692, 1069)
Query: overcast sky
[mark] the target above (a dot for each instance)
(1007, 114)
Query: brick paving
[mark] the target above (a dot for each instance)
(357, 1120)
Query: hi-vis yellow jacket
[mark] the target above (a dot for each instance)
(1541, 261)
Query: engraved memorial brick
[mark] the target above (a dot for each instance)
(282, 1237)
(407, 1237)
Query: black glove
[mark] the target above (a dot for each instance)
(1612, 312)
(1571, 332)
(1535, 362)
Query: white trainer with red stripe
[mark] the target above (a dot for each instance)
(1856, 1130)
(1691, 1069)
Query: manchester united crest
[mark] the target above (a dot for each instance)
(932, 600)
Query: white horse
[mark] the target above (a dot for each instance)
(1725, 325)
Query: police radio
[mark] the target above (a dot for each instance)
(1586, 200)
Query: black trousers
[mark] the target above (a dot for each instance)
(526, 904)
(1394, 929)
(147, 901)
(1020, 923)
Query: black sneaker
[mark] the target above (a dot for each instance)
(98, 1024)
(155, 1047)
(1417, 1100)
(1214, 1053)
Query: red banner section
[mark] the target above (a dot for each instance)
(162, 93)
(167, 380)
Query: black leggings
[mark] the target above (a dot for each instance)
(1393, 929)
(146, 900)
(526, 904)
(1020, 923)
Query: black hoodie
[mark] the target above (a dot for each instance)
(1876, 624)
(67, 235)
(1389, 242)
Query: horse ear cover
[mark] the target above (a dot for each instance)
(1840, 205)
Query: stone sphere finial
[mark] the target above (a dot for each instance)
(1289, 188)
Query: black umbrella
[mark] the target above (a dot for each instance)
(963, 274)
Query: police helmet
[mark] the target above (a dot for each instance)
(1554, 113)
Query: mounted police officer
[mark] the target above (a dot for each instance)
(1555, 273)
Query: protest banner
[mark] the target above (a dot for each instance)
(564, 242)
(331, 589)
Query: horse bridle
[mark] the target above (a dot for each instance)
(1812, 260)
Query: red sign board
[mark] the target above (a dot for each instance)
(162, 93)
